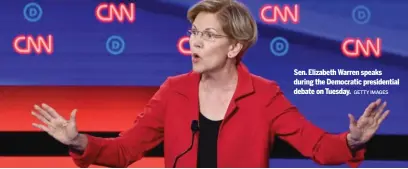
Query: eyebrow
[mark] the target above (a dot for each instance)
(194, 27)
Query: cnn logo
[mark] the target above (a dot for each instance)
(284, 14)
(108, 12)
(182, 42)
(355, 47)
(28, 44)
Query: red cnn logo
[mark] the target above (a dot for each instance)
(280, 14)
(180, 46)
(119, 12)
(365, 48)
(33, 45)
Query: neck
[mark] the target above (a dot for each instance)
(224, 78)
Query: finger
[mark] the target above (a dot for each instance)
(73, 115)
(370, 108)
(380, 111)
(51, 111)
(41, 127)
(43, 112)
(352, 120)
(383, 116)
(41, 118)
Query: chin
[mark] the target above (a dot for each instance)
(198, 69)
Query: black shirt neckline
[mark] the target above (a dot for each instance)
(207, 142)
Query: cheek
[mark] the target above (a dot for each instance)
(216, 50)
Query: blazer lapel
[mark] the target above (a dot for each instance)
(244, 88)
(189, 89)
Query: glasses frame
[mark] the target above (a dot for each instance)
(205, 35)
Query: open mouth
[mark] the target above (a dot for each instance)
(195, 56)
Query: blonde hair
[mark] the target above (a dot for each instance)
(236, 19)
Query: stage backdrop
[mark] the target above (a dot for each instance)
(107, 59)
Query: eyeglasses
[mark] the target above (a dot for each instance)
(206, 35)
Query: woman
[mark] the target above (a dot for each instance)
(239, 113)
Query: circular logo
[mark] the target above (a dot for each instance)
(361, 14)
(32, 12)
(115, 45)
(279, 46)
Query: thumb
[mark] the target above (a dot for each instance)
(73, 115)
(352, 120)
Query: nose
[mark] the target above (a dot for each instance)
(196, 43)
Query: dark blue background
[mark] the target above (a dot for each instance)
(80, 56)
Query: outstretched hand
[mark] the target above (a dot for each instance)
(362, 130)
(55, 125)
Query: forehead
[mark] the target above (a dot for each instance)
(205, 21)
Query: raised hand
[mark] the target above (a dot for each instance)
(55, 125)
(366, 126)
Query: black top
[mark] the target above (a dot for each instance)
(207, 143)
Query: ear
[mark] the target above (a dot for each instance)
(235, 49)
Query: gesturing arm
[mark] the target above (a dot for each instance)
(146, 132)
(311, 141)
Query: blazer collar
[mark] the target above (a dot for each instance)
(244, 87)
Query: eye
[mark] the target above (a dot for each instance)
(194, 32)
(209, 34)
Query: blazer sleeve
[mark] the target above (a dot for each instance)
(311, 141)
(146, 133)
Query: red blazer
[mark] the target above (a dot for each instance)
(257, 112)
